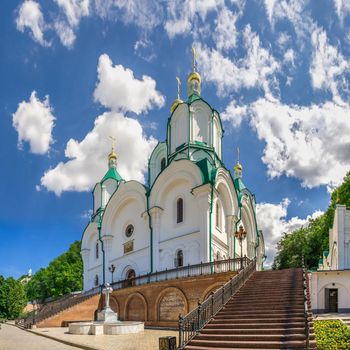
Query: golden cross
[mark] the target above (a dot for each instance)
(237, 154)
(194, 63)
(113, 142)
(178, 87)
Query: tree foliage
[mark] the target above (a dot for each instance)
(63, 275)
(12, 298)
(312, 240)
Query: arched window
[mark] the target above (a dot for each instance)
(179, 210)
(96, 280)
(162, 164)
(130, 278)
(179, 258)
(218, 256)
(218, 215)
(97, 250)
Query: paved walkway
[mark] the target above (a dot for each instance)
(148, 340)
(13, 338)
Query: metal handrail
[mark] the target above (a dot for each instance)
(181, 272)
(195, 320)
(307, 311)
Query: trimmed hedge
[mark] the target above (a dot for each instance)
(332, 335)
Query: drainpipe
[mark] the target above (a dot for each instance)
(210, 226)
(99, 227)
(236, 229)
(150, 229)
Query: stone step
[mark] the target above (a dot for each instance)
(259, 315)
(296, 344)
(257, 325)
(253, 330)
(250, 337)
(264, 306)
(257, 320)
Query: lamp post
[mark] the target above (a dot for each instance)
(241, 235)
(111, 270)
(34, 310)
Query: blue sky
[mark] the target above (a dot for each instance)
(74, 72)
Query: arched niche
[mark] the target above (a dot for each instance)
(170, 303)
(136, 307)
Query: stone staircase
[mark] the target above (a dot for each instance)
(266, 313)
(53, 308)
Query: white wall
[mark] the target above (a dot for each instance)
(330, 279)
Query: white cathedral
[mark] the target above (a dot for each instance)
(188, 212)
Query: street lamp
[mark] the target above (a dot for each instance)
(111, 270)
(34, 310)
(241, 235)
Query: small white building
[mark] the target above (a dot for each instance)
(187, 213)
(330, 284)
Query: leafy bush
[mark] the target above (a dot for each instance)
(311, 240)
(332, 335)
(63, 276)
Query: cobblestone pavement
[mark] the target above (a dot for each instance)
(148, 340)
(13, 338)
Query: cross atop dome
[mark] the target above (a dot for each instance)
(112, 157)
(194, 78)
(238, 167)
(178, 99)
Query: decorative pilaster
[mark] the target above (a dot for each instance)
(85, 253)
(203, 199)
(107, 244)
(156, 213)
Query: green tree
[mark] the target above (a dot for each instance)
(312, 240)
(12, 298)
(63, 275)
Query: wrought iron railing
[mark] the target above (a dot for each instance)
(194, 321)
(183, 271)
(307, 305)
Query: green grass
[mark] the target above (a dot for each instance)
(332, 335)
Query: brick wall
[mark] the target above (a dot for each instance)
(158, 304)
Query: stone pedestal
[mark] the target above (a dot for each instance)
(107, 315)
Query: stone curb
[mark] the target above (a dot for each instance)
(66, 342)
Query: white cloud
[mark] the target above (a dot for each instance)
(34, 122)
(65, 33)
(269, 5)
(71, 12)
(118, 90)
(272, 220)
(74, 10)
(183, 15)
(289, 57)
(342, 8)
(144, 49)
(88, 158)
(144, 14)
(256, 69)
(310, 143)
(234, 113)
(328, 66)
(30, 16)
(225, 35)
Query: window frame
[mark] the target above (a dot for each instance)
(182, 216)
